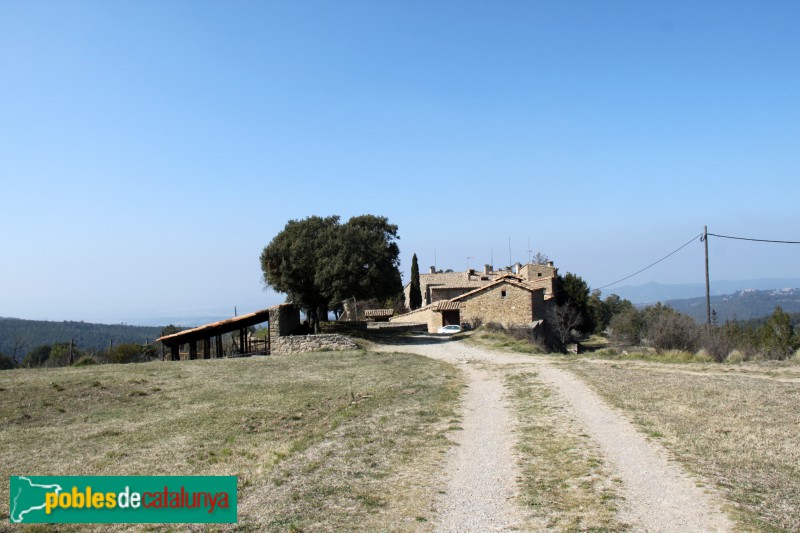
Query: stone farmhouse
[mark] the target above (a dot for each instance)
(437, 286)
(518, 297)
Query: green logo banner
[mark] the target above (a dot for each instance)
(122, 499)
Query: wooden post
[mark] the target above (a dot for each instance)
(708, 285)
(193, 349)
(206, 348)
(175, 352)
(241, 341)
(269, 340)
(219, 346)
(71, 346)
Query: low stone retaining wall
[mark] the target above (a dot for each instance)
(310, 343)
(391, 326)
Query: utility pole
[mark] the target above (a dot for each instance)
(708, 286)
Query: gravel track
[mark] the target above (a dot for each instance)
(481, 473)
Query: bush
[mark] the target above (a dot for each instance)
(494, 327)
(776, 336)
(85, 360)
(626, 327)
(718, 342)
(130, 353)
(734, 357)
(671, 330)
(37, 357)
(6, 363)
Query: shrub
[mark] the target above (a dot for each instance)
(776, 336)
(674, 331)
(127, 353)
(717, 341)
(734, 357)
(494, 327)
(37, 357)
(6, 363)
(626, 327)
(85, 360)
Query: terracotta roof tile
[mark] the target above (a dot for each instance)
(378, 312)
(446, 305)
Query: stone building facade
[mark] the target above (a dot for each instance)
(508, 301)
(438, 286)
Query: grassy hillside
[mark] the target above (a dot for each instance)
(28, 334)
(319, 441)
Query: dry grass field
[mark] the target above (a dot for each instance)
(738, 426)
(319, 441)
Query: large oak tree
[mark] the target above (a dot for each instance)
(318, 261)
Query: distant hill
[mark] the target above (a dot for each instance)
(87, 336)
(743, 305)
(661, 292)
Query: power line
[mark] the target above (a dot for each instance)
(749, 239)
(653, 264)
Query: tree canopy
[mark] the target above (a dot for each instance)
(318, 261)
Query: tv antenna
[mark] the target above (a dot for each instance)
(468, 258)
(529, 251)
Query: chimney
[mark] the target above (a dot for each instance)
(487, 269)
(433, 270)
(550, 264)
(517, 267)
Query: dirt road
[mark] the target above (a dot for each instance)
(482, 471)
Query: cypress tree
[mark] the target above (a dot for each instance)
(415, 298)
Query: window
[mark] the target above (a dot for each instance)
(540, 274)
(502, 294)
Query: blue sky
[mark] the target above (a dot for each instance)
(150, 150)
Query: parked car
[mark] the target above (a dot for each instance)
(450, 329)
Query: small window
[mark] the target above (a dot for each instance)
(502, 294)
(540, 274)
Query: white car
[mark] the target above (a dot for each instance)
(450, 329)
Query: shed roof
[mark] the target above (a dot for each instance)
(218, 328)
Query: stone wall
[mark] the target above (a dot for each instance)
(505, 304)
(448, 293)
(283, 320)
(310, 343)
(545, 276)
(423, 315)
(389, 327)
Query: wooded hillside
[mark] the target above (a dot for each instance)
(24, 335)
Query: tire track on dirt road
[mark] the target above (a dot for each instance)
(482, 471)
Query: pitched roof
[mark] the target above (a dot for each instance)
(511, 280)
